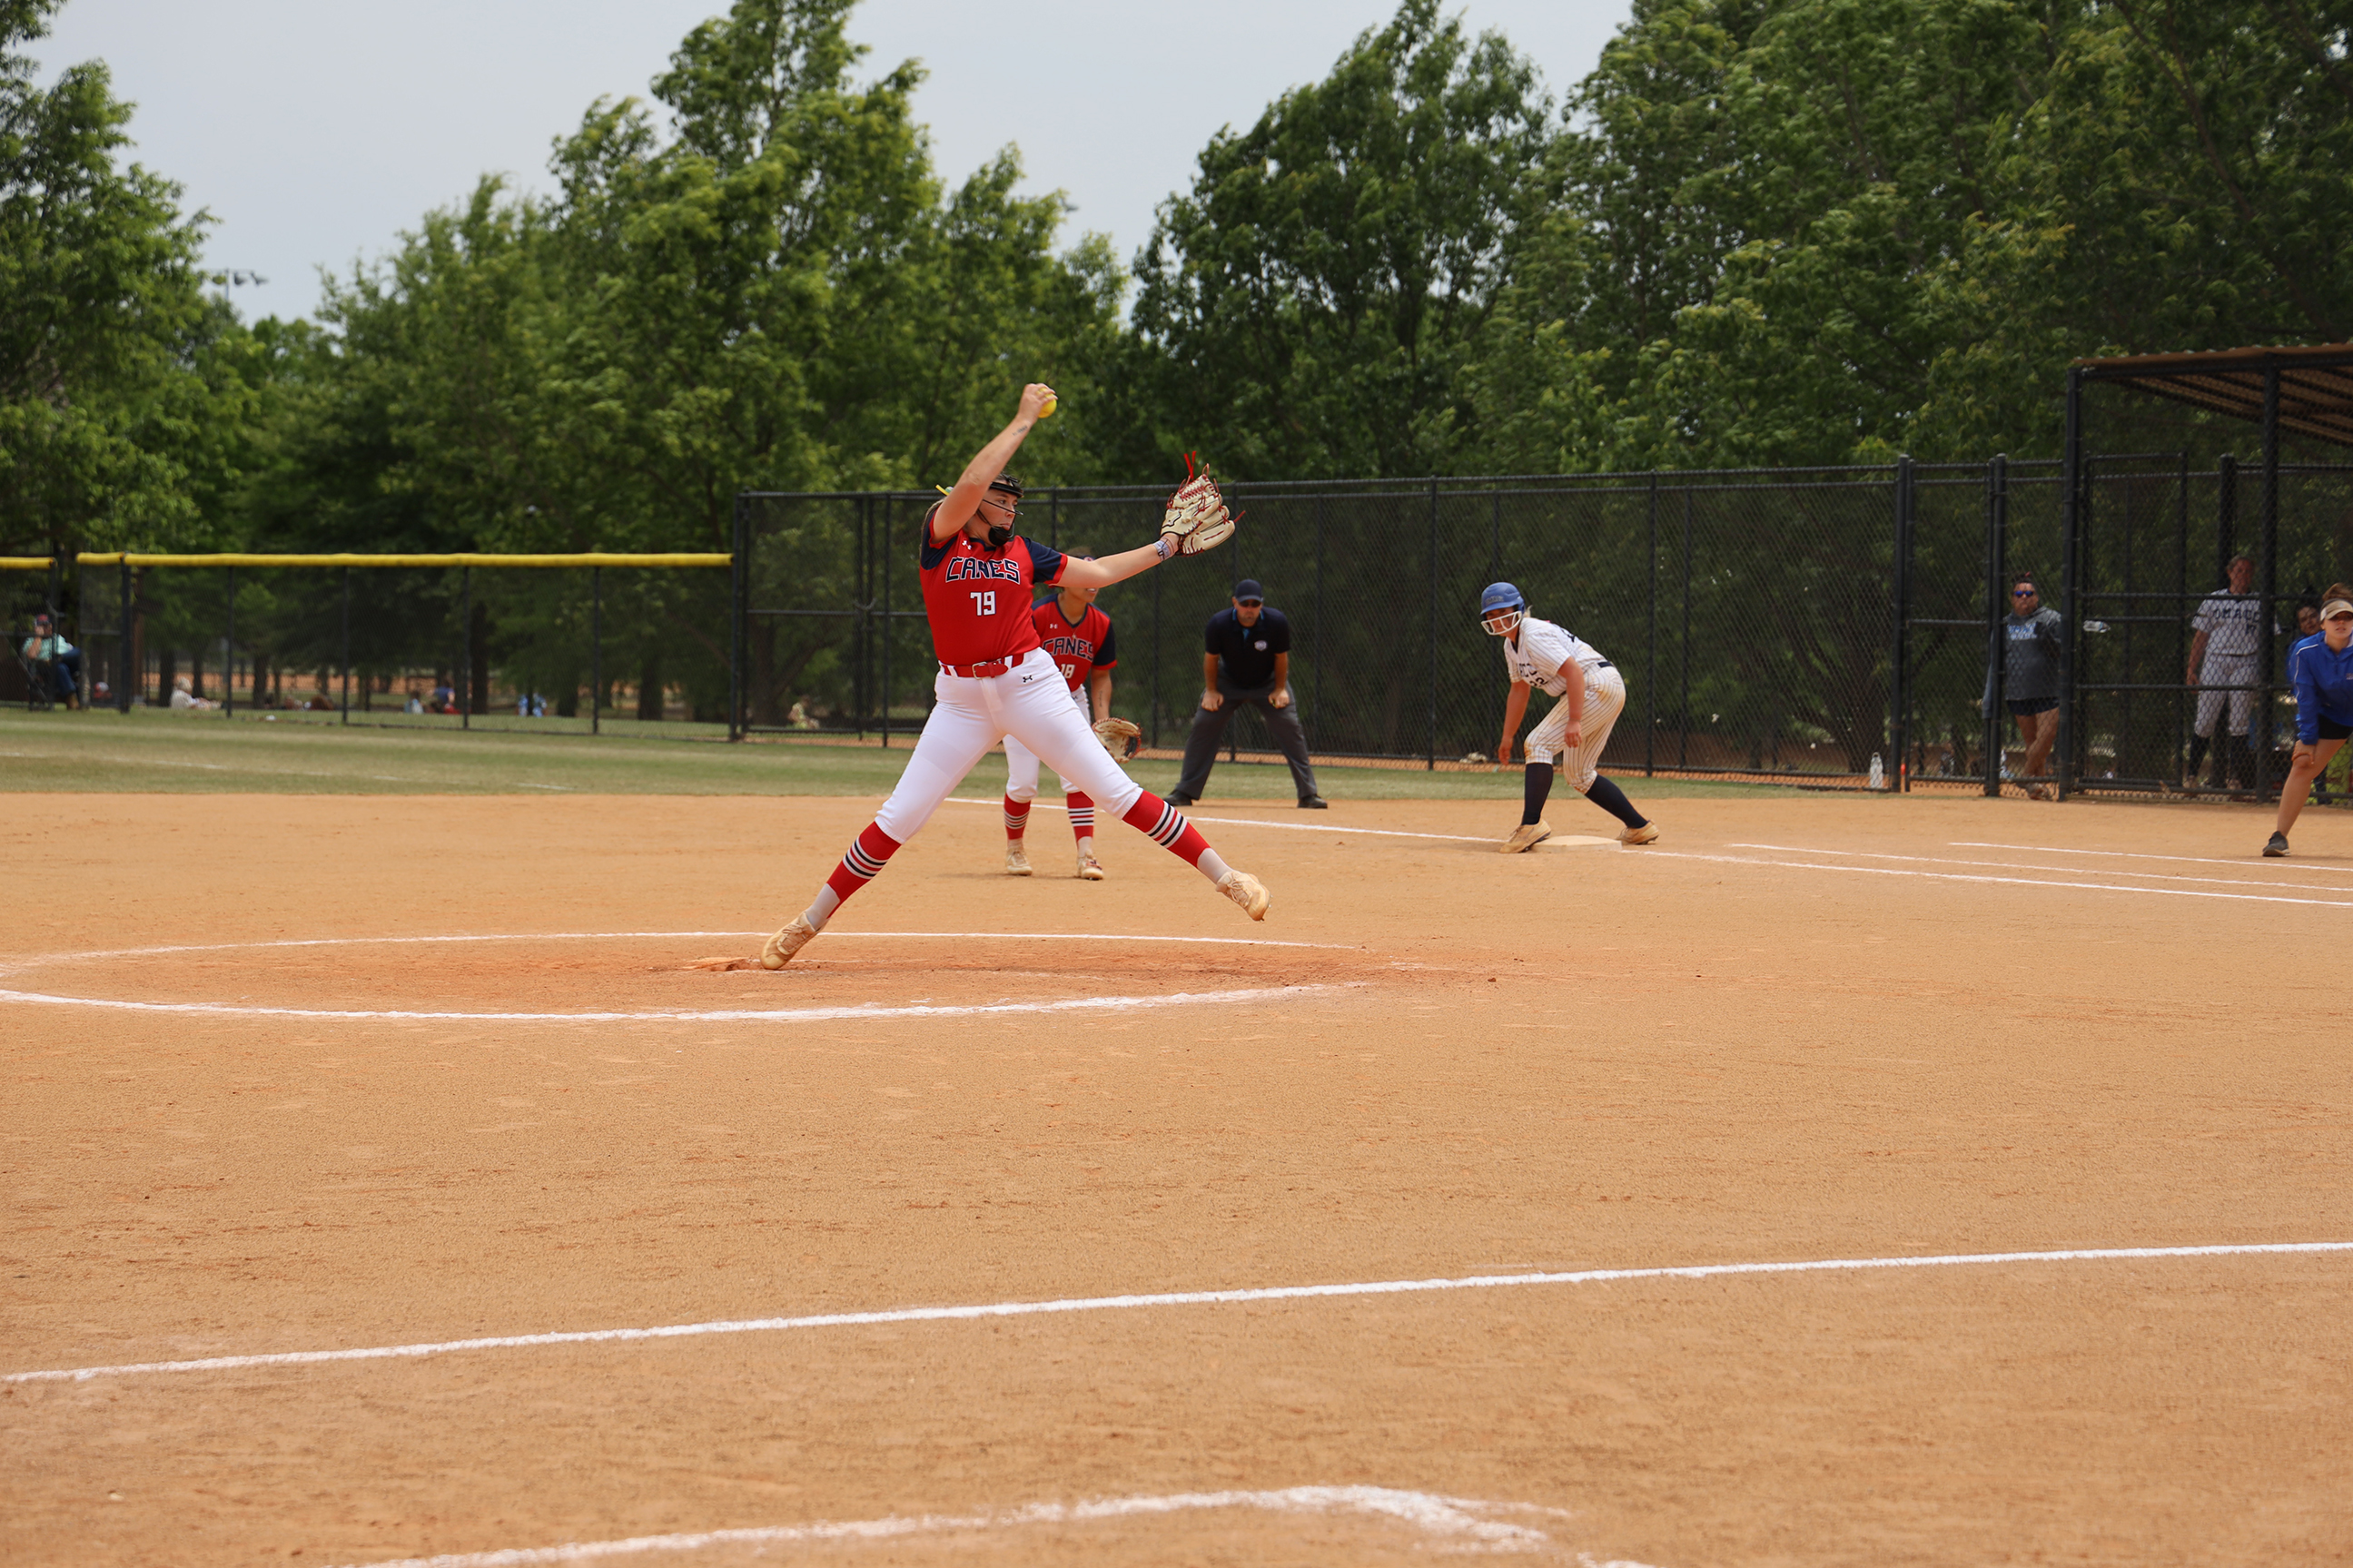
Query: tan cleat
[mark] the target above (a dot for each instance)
(1017, 858)
(1526, 836)
(787, 943)
(1646, 834)
(1247, 891)
(1090, 868)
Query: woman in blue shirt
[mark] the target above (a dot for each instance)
(2321, 670)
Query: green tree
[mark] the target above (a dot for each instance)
(102, 314)
(1304, 309)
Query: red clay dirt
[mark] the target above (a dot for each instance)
(1796, 1029)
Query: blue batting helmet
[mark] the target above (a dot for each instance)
(1493, 604)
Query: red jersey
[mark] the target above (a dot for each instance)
(1080, 647)
(977, 599)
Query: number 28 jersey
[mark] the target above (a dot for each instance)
(977, 599)
(1078, 649)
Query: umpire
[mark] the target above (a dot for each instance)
(1246, 660)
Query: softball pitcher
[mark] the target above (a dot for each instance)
(995, 680)
(1589, 694)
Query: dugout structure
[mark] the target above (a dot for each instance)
(2174, 464)
(507, 641)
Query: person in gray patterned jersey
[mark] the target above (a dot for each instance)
(2030, 678)
(2225, 660)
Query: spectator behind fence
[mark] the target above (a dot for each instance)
(2030, 678)
(183, 695)
(2320, 668)
(2225, 660)
(1245, 661)
(58, 658)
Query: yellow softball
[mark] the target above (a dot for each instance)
(1046, 410)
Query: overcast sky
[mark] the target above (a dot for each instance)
(315, 131)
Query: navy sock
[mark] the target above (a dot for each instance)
(1612, 799)
(1539, 788)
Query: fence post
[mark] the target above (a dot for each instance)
(1997, 612)
(1650, 681)
(596, 649)
(2070, 534)
(1315, 632)
(129, 660)
(1899, 711)
(2266, 722)
(1431, 765)
(739, 577)
(2182, 710)
(228, 654)
(1682, 722)
(465, 648)
(347, 646)
(882, 564)
(1156, 658)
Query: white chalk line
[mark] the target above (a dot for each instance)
(1163, 1299)
(2244, 862)
(649, 935)
(1657, 854)
(719, 1016)
(2014, 865)
(1455, 1520)
(709, 1015)
(1559, 839)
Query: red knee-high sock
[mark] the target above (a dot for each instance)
(1083, 813)
(1017, 816)
(1166, 827)
(864, 862)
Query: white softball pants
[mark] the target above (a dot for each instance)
(1029, 703)
(1605, 698)
(2230, 670)
(1021, 762)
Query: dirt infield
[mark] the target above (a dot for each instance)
(262, 1104)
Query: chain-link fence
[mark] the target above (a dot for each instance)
(509, 643)
(1756, 613)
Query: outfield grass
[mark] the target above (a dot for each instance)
(160, 752)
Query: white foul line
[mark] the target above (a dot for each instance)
(1439, 1516)
(1163, 1299)
(2009, 881)
(712, 1016)
(2014, 865)
(2244, 862)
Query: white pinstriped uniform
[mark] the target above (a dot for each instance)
(1539, 653)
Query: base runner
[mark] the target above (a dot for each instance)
(1590, 695)
(996, 682)
(1076, 636)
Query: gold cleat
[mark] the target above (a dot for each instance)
(1017, 858)
(1090, 868)
(1646, 834)
(1526, 836)
(781, 947)
(1247, 891)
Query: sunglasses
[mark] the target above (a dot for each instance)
(2021, 593)
(1250, 603)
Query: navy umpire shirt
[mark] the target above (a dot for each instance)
(1246, 654)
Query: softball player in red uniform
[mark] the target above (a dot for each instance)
(996, 682)
(1076, 636)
